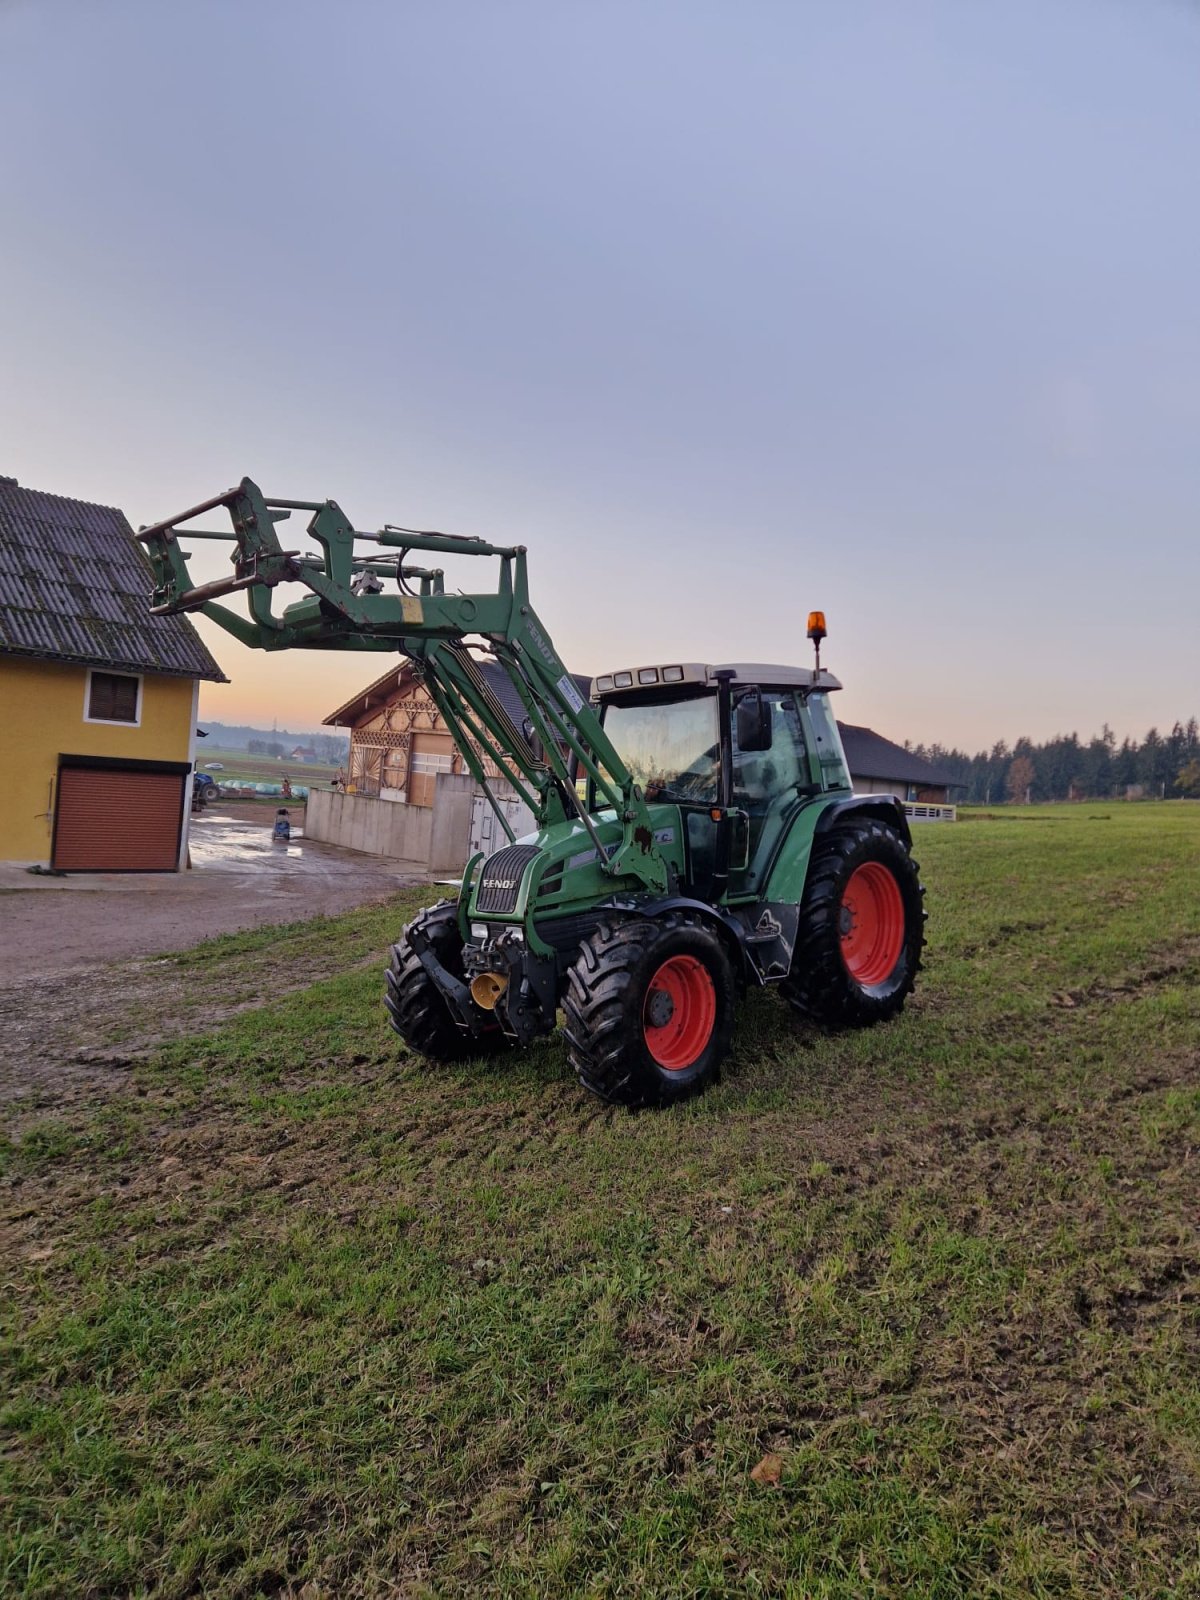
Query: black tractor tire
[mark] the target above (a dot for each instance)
(862, 928)
(416, 1009)
(649, 1008)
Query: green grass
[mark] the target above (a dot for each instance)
(296, 1309)
(241, 767)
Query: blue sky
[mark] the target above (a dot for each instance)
(726, 311)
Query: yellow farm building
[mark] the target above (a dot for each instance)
(97, 697)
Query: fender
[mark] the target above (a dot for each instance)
(732, 932)
(787, 875)
(884, 808)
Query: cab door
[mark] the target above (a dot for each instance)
(768, 783)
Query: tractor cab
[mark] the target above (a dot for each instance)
(739, 748)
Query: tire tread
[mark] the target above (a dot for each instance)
(818, 986)
(603, 1021)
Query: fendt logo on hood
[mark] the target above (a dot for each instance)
(499, 883)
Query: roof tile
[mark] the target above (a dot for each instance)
(75, 586)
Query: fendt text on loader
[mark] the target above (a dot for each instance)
(696, 831)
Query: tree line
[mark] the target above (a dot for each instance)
(1069, 768)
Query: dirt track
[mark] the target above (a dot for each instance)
(239, 879)
(85, 986)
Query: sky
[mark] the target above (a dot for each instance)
(726, 311)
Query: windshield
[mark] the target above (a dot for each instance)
(670, 748)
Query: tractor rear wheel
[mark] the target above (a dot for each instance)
(649, 1009)
(862, 928)
(416, 1009)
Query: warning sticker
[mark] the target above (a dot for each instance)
(570, 693)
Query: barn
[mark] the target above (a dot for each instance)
(877, 766)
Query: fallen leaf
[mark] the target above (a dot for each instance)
(768, 1469)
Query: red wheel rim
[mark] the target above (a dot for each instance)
(871, 922)
(679, 1013)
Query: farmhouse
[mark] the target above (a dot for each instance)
(398, 740)
(97, 697)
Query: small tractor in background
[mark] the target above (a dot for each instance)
(696, 833)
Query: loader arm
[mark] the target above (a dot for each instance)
(346, 608)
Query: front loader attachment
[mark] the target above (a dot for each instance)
(342, 583)
(346, 607)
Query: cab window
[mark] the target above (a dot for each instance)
(763, 776)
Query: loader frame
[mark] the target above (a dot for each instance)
(346, 608)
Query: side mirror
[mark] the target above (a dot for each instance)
(753, 723)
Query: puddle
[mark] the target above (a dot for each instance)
(245, 845)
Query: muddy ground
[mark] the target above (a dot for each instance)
(87, 983)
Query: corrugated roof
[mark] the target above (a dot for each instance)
(75, 586)
(870, 755)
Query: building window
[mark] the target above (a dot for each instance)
(113, 697)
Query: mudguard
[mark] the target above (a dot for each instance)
(788, 873)
(884, 808)
(731, 929)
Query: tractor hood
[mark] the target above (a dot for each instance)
(558, 868)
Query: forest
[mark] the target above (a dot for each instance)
(1161, 766)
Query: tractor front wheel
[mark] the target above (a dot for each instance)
(862, 928)
(416, 1009)
(649, 1009)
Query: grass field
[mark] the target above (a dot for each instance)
(296, 1315)
(240, 767)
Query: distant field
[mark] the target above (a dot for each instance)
(238, 766)
(292, 1313)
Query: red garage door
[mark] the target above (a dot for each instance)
(118, 819)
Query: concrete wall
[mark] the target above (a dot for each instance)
(449, 845)
(434, 837)
(379, 827)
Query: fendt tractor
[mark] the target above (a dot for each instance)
(696, 832)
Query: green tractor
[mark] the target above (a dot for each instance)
(696, 832)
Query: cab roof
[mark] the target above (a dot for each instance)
(765, 674)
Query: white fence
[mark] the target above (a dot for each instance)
(918, 811)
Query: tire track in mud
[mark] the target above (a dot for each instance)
(71, 1040)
